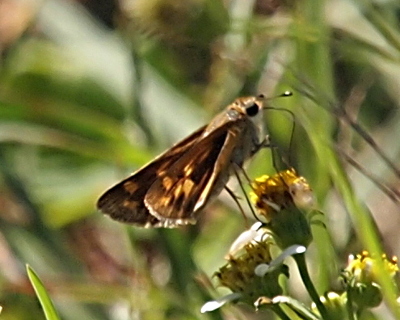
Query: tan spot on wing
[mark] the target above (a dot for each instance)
(189, 169)
(165, 201)
(167, 183)
(187, 186)
(130, 204)
(178, 191)
(131, 186)
(184, 188)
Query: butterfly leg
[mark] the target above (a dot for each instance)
(236, 169)
(265, 143)
(236, 199)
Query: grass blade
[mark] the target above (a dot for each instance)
(44, 298)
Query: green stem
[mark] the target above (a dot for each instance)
(279, 312)
(349, 304)
(305, 276)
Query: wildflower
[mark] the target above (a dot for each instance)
(273, 193)
(360, 277)
(335, 305)
(239, 273)
(364, 267)
(281, 199)
(250, 271)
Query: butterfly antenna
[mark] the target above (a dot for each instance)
(282, 95)
(291, 114)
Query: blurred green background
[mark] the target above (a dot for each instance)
(91, 90)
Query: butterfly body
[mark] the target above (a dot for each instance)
(173, 188)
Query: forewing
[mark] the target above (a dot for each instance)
(200, 173)
(124, 201)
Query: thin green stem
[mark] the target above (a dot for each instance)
(279, 312)
(305, 276)
(349, 302)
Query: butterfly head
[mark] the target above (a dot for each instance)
(248, 106)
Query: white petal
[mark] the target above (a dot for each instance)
(294, 249)
(257, 225)
(261, 269)
(289, 251)
(302, 195)
(254, 234)
(216, 304)
(280, 299)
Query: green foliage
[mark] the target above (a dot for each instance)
(42, 294)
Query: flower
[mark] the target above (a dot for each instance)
(363, 267)
(361, 279)
(239, 274)
(335, 305)
(250, 271)
(281, 199)
(271, 194)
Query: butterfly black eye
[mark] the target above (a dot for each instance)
(252, 110)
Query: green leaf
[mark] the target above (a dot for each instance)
(44, 298)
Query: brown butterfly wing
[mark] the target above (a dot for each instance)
(124, 201)
(199, 174)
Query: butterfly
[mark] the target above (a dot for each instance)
(173, 188)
